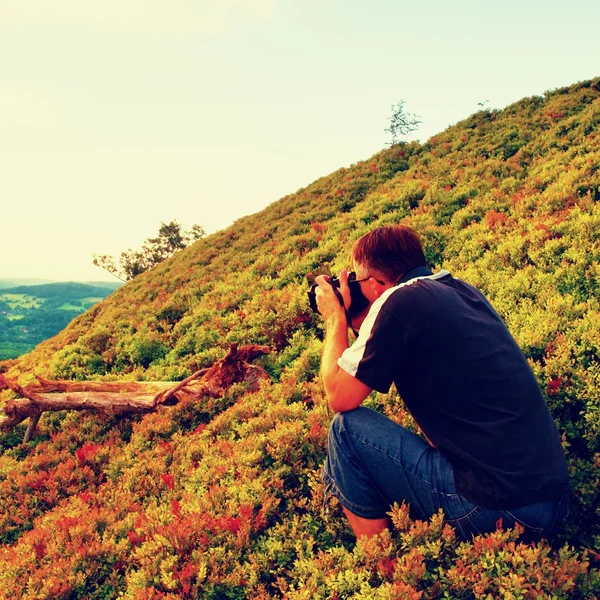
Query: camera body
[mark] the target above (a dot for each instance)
(358, 301)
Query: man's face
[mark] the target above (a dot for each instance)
(372, 287)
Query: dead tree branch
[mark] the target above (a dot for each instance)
(128, 397)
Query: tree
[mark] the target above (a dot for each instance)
(402, 123)
(131, 263)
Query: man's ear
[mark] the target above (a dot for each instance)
(377, 288)
(380, 284)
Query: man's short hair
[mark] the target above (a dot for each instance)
(393, 250)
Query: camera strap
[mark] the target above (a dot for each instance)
(348, 317)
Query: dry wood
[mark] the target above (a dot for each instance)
(61, 385)
(31, 427)
(127, 397)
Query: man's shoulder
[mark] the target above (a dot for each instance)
(419, 289)
(439, 295)
(406, 301)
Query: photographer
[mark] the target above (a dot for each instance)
(494, 451)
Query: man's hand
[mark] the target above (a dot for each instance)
(343, 391)
(328, 301)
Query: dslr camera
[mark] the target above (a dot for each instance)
(358, 301)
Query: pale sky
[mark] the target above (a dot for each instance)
(116, 115)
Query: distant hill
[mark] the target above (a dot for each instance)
(31, 314)
(60, 290)
(10, 283)
(113, 285)
(221, 497)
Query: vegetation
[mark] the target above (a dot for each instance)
(401, 123)
(31, 314)
(222, 498)
(134, 262)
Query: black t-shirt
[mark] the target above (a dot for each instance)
(468, 386)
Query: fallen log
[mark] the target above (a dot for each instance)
(129, 397)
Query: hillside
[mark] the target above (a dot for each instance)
(31, 314)
(222, 498)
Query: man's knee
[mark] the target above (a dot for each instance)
(361, 420)
(358, 424)
(348, 420)
(375, 429)
(342, 423)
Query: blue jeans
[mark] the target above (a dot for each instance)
(373, 462)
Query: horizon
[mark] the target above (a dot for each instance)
(35, 281)
(166, 114)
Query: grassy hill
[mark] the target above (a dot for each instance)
(33, 313)
(222, 498)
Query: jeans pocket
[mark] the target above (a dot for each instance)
(538, 520)
(476, 522)
(541, 519)
(527, 520)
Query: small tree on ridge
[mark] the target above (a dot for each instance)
(131, 263)
(402, 123)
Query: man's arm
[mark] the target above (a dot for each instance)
(344, 392)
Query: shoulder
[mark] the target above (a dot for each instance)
(415, 291)
(400, 306)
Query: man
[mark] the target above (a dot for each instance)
(494, 451)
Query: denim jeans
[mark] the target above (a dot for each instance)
(373, 462)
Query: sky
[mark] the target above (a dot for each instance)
(118, 115)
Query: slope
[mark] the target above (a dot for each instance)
(222, 498)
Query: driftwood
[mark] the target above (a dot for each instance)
(127, 397)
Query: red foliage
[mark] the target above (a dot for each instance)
(246, 511)
(60, 589)
(87, 453)
(554, 114)
(168, 480)
(39, 548)
(38, 481)
(167, 447)
(493, 218)
(386, 567)
(318, 227)
(186, 575)
(135, 539)
(86, 496)
(226, 523)
(260, 521)
(316, 432)
(554, 386)
(543, 227)
(66, 522)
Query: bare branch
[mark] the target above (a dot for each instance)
(128, 397)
